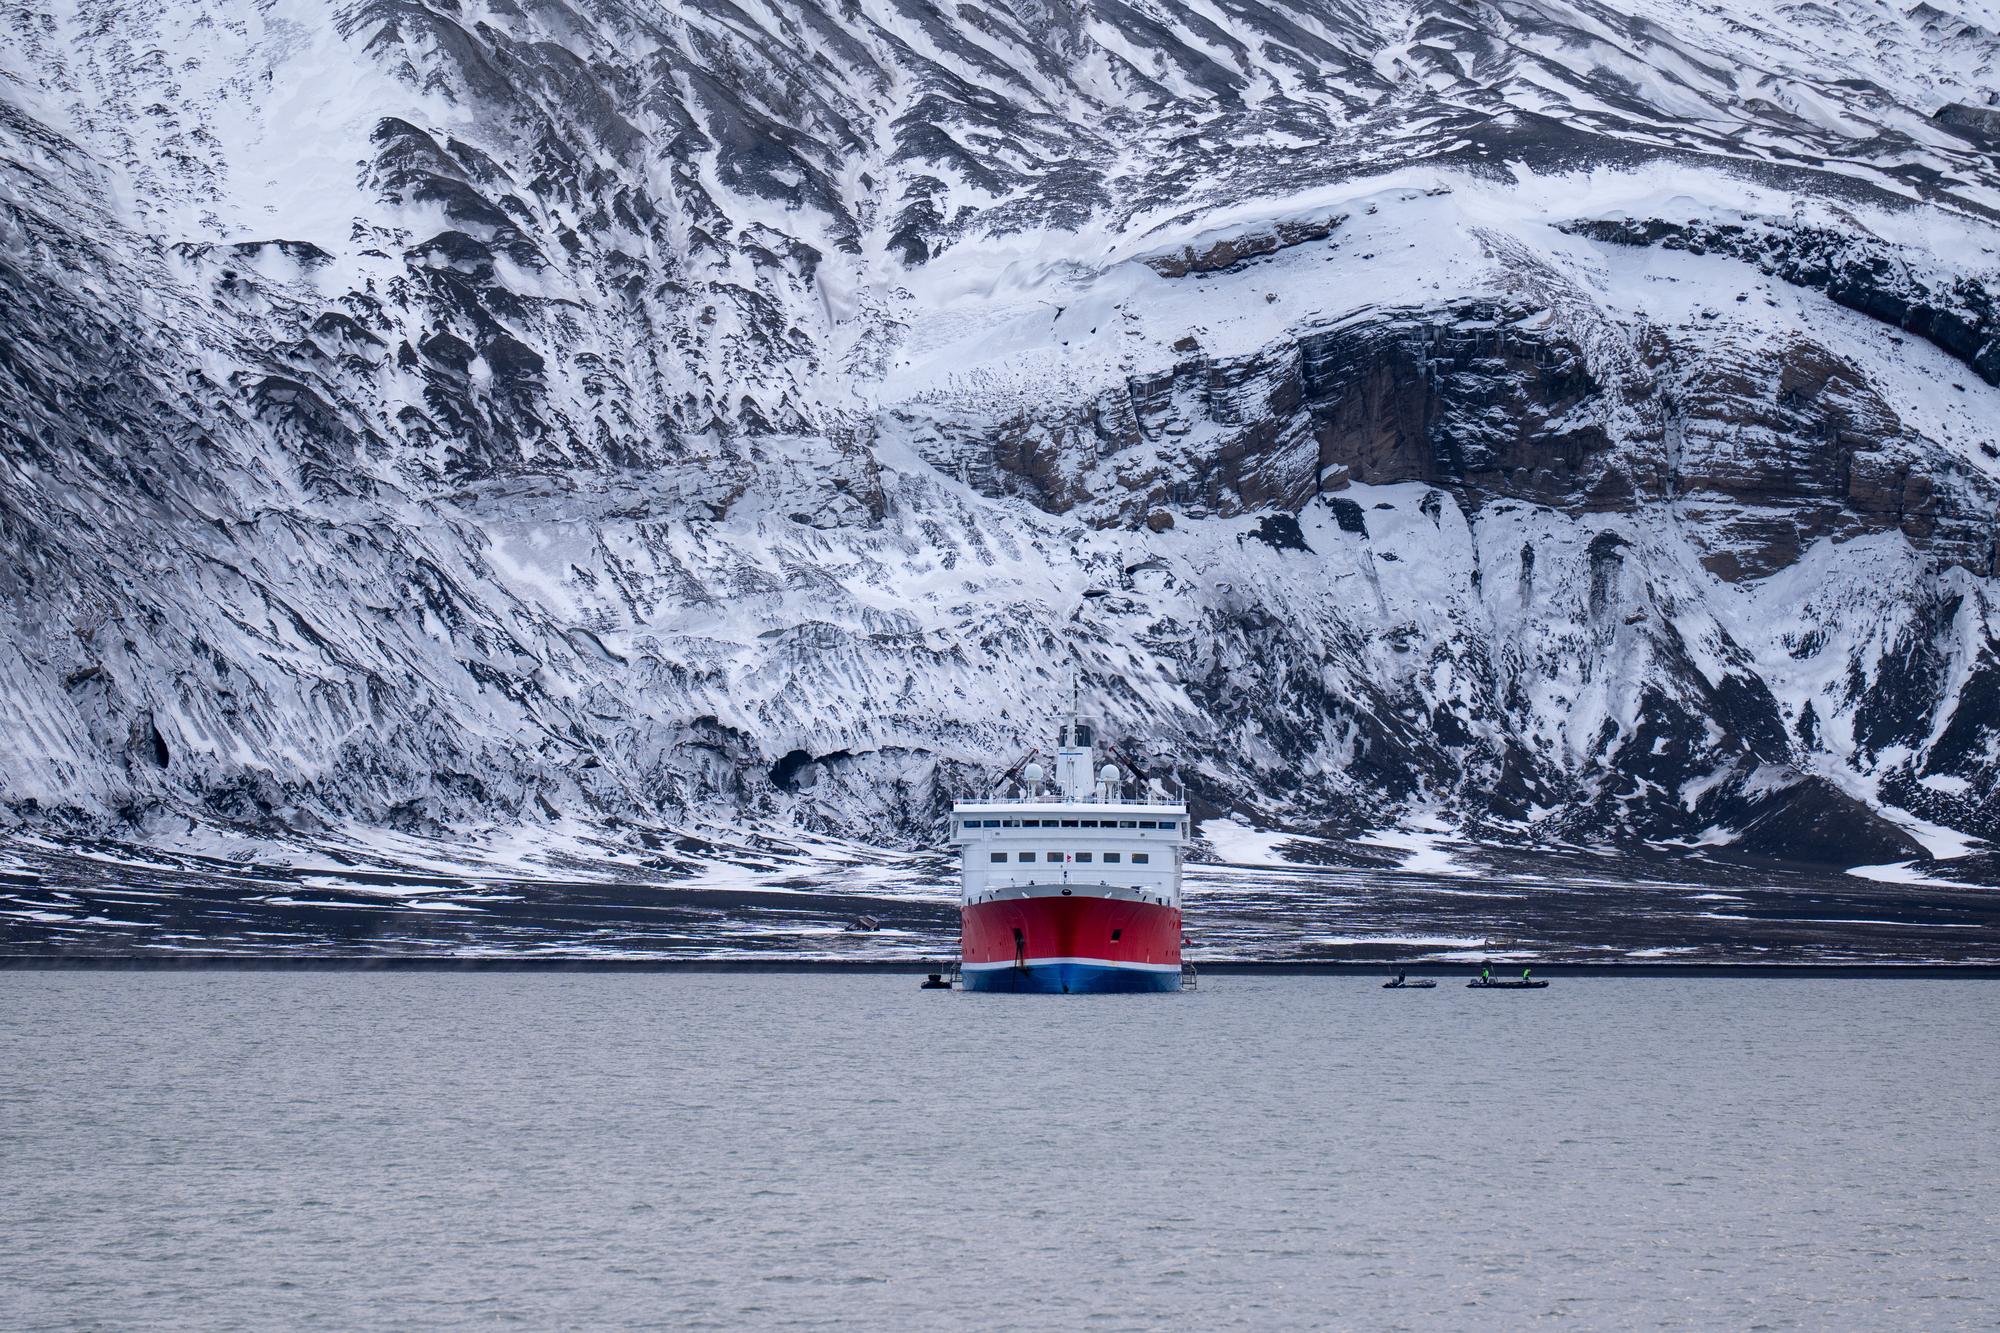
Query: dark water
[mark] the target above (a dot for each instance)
(351, 1151)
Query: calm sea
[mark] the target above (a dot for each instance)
(354, 1151)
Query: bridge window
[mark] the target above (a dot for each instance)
(999, 858)
(1128, 823)
(1031, 823)
(1141, 858)
(1111, 858)
(1083, 858)
(1025, 856)
(1069, 823)
(1010, 823)
(989, 823)
(1147, 823)
(1052, 856)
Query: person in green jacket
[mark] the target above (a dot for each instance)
(1524, 974)
(1487, 975)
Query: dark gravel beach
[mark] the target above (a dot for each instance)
(1576, 907)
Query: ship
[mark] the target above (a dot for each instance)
(1072, 880)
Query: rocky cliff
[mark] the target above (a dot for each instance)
(1577, 422)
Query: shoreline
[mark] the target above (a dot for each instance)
(1368, 969)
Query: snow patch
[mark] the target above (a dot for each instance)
(1429, 851)
(1239, 844)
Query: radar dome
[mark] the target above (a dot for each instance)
(1109, 773)
(1032, 774)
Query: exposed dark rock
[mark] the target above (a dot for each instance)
(447, 349)
(1231, 252)
(1981, 124)
(1874, 279)
(1281, 533)
(1348, 515)
(1813, 822)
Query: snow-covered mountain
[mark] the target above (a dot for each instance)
(1570, 421)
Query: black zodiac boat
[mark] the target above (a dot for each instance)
(1400, 984)
(1478, 983)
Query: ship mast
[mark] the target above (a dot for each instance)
(1074, 758)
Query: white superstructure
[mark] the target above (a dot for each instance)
(1086, 830)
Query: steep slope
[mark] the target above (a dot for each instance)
(1575, 420)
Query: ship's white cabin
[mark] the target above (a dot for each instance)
(1084, 829)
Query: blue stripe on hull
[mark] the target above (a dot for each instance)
(1070, 979)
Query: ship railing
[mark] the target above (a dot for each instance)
(1053, 799)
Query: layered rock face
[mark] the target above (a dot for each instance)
(1572, 421)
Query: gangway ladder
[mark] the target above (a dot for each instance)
(1189, 981)
(955, 974)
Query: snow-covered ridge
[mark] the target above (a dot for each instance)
(1575, 418)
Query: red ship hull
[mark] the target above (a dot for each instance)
(1069, 940)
